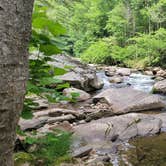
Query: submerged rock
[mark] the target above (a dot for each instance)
(82, 95)
(79, 75)
(160, 87)
(124, 100)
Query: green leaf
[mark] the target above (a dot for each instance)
(49, 49)
(27, 114)
(32, 88)
(49, 80)
(30, 140)
(62, 86)
(59, 71)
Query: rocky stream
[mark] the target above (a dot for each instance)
(117, 120)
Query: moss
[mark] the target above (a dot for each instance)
(22, 158)
(147, 151)
(64, 159)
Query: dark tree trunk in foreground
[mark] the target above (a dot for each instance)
(15, 27)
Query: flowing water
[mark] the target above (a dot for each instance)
(135, 80)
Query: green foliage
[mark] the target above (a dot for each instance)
(43, 45)
(44, 30)
(99, 52)
(51, 148)
(151, 46)
(96, 53)
(22, 158)
(28, 106)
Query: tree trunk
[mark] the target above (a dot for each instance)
(15, 28)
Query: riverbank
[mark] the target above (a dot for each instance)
(114, 105)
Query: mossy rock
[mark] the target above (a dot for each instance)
(23, 158)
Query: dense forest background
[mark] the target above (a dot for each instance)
(126, 32)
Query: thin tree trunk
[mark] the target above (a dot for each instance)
(15, 28)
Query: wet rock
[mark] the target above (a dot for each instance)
(124, 100)
(160, 87)
(82, 95)
(97, 83)
(116, 79)
(79, 75)
(109, 73)
(82, 152)
(159, 78)
(148, 72)
(32, 123)
(123, 71)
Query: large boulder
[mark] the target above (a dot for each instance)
(124, 100)
(79, 75)
(160, 87)
(120, 128)
(82, 95)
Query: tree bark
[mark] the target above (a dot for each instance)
(15, 28)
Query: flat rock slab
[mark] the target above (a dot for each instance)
(124, 100)
(120, 128)
(32, 123)
(82, 152)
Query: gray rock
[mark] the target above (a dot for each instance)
(161, 73)
(34, 123)
(79, 75)
(123, 127)
(61, 118)
(148, 72)
(40, 103)
(116, 79)
(159, 78)
(82, 152)
(54, 112)
(82, 94)
(160, 87)
(124, 100)
(162, 116)
(97, 114)
(123, 71)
